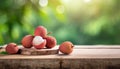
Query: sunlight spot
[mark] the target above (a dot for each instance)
(65, 1)
(87, 1)
(43, 3)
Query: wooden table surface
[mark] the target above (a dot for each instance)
(81, 51)
(94, 56)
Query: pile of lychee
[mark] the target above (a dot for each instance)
(40, 40)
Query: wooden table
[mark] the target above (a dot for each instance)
(83, 57)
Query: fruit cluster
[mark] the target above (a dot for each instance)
(40, 40)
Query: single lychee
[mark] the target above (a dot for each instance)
(51, 41)
(27, 41)
(38, 42)
(40, 31)
(66, 47)
(12, 48)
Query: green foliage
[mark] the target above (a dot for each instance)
(79, 21)
(3, 52)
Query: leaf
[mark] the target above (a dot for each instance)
(3, 52)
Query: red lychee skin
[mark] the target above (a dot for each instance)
(27, 41)
(66, 47)
(41, 46)
(51, 42)
(11, 48)
(40, 31)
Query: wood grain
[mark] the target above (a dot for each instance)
(33, 51)
(81, 58)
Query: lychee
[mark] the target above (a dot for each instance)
(38, 42)
(51, 41)
(12, 48)
(40, 31)
(27, 41)
(66, 47)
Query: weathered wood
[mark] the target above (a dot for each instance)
(80, 58)
(59, 63)
(33, 51)
(90, 63)
(29, 64)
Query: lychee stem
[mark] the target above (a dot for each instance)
(15, 45)
(49, 33)
(72, 46)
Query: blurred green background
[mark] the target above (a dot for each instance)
(83, 22)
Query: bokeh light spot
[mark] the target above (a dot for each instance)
(87, 1)
(43, 3)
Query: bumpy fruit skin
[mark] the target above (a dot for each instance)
(40, 46)
(27, 41)
(51, 42)
(40, 31)
(66, 47)
(11, 48)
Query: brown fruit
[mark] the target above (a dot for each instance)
(51, 41)
(40, 31)
(12, 48)
(27, 41)
(66, 47)
(39, 42)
